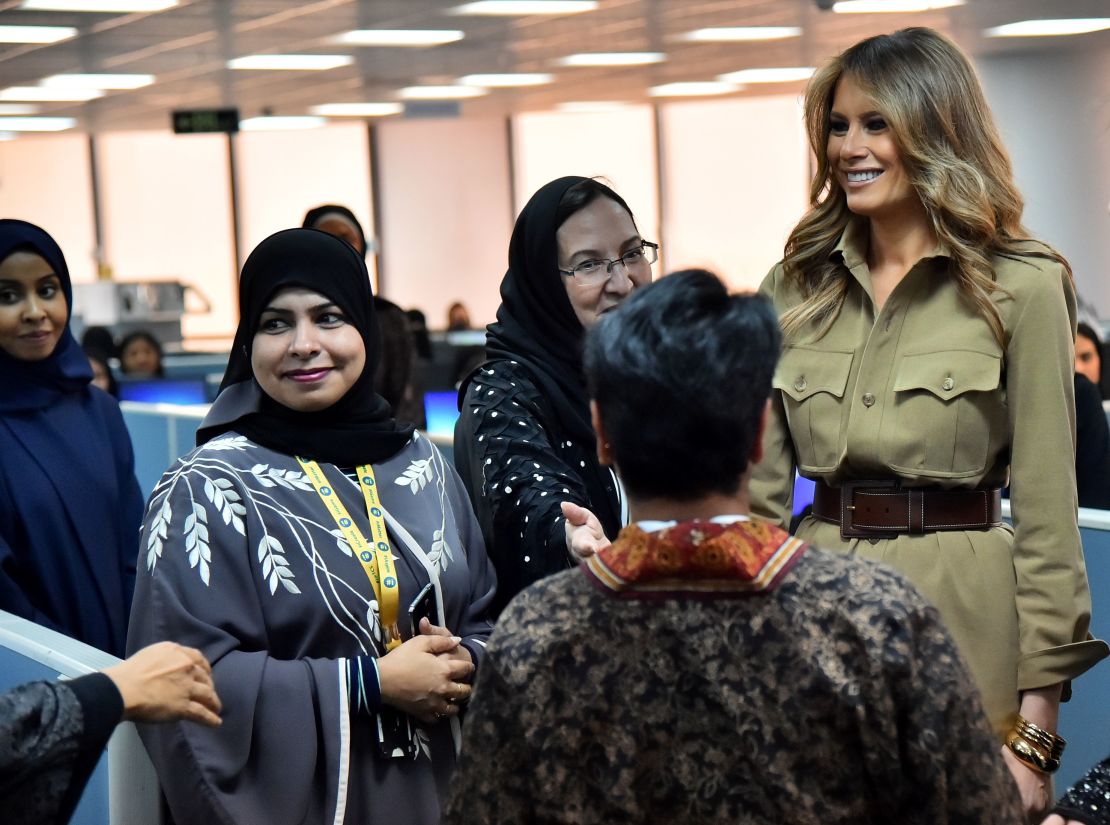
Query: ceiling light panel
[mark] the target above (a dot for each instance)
(18, 109)
(742, 34)
(511, 8)
(36, 124)
(36, 34)
(441, 92)
(97, 81)
(281, 123)
(102, 6)
(791, 74)
(45, 95)
(613, 59)
(1050, 28)
(357, 109)
(291, 62)
(505, 81)
(892, 6)
(693, 89)
(400, 37)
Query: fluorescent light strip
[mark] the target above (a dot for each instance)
(790, 74)
(357, 109)
(97, 81)
(441, 92)
(613, 59)
(505, 81)
(36, 34)
(280, 123)
(45, 95)
(18, 109)
(1050, 28)
(291, 62)
(36, 124)
(892, 6)
(522, 7)
(742, 34)
(590, 107)
(103, 6)
(400, 37)
(693, 89)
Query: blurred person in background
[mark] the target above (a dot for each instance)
(705, 667)
(458, 319)
(140, 355)
(1088, 356)
(70, 506)
(523, 441)
(394, 379)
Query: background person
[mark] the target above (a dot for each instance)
(928, 357)
(523, 441)
(1088, 356)
(140, 354)
(706, 668)
(52, 733)
(70, 506)
(336, 709)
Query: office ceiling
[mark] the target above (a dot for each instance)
(187, 48)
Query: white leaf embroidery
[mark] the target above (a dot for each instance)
(196, 541)
(159, 529)
(341, 541)
(238, 442)
(275, 567)
(416, 475)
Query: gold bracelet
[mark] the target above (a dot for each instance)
(1050, 742)
(1029, 756)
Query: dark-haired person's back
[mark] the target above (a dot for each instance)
(706, 668)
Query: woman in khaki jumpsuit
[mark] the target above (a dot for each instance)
(928, 360)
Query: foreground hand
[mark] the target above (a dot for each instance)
(1032, 784)
(416, 679)
(584, 534)
(165, 682)
(457, 653)
(1056, 819)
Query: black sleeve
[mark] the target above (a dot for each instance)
(506, 455)
(51, 736)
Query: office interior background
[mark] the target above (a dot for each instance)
(690, 107)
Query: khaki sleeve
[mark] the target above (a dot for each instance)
(772, 483)
(1053, 599)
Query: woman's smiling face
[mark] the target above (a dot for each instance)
(33, 309)
(305, 355)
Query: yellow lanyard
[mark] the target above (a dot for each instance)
(376, 558)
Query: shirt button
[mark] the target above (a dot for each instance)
(948, 384)
(868, 399)
(800, 384)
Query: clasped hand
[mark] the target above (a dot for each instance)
(427, 675)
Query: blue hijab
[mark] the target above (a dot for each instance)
(33, 385)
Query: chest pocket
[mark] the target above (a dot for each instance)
(813, 382)
(946, 406)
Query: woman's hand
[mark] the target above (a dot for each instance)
(584, 534)
(1056, 819)
(1032, 784)
(459, 653)
(417, 679)
(165, 682)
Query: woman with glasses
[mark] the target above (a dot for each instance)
(928, 362)
(523, 442)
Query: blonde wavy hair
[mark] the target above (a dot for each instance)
(929, 95)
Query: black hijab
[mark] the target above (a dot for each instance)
(357, 429)
(34, 385)
(536, 325)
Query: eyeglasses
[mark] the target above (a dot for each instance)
(596, 271)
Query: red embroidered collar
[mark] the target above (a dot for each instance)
(696, 558)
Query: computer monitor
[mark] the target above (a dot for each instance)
(441, 410)
(164, 390)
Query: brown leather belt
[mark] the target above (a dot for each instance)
(881, 509)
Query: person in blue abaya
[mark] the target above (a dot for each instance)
(70, 506)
